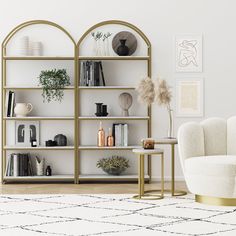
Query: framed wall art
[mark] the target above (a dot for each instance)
(188, 53)
(189, 97)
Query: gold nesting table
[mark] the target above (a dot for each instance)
(149, 195)
(171, 142)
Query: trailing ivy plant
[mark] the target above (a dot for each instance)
(53, 82)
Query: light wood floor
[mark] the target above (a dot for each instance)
(99, 188)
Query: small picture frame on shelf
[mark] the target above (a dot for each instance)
(25, 131)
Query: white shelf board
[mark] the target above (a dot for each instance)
(40, 118)
(38, 58)
(113, 117)
(114, 58)
(108, 148)
(59, 177)
(39, 148)
(109, 177)
(107, 87)
(32, 88)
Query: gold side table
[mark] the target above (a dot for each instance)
(148, 195)
(172, 142)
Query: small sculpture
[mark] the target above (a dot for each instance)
(125, 101)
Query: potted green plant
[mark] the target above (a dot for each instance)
(53, 82)
(114, 165)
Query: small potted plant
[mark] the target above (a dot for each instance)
(53, 82)
(114, 165)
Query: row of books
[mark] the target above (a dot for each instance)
(91, 73)
(10, 99)
(120, 134)
(19, 164)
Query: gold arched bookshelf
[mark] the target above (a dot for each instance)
(146, 58)
(5, 88)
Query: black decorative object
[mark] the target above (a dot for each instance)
(33, 142)
(104, 110)
(101, 109)
(50, 143)
(122, 50)
(131, 43)
(98, 109)
(48, 171)
(60, 139)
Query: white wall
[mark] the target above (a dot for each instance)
(160, 20)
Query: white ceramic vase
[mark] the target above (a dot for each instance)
(23, 109)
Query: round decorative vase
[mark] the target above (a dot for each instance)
(22, 109)
(125, 101)
(114, 171)
(122, 50)
(39, 166)
(60, 139)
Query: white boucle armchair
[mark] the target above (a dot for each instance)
(207, 152)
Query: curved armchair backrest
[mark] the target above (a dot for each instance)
(213, 136)
(231, 136)
(191, 141)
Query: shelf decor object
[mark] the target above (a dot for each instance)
(24, 55)
(131, 42)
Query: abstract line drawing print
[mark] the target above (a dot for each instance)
(188, 53)
(188, 56)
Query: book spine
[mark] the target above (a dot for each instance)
(122, 134)
(15, 165)
(102, 74)
(11, 166)
(87, 73)
(12, 104)
(96, 74)
(116, 135)
(125, 135)
(20, 165)
(8, 166)
(82, 81)
(9, 104)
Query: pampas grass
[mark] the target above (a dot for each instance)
(146, 91)
(163, 93)
(160, 91)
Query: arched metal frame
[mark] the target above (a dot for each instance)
(4, 52)
(76, 83)
(149, 71)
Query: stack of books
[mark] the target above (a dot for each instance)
(10, 99)
(91, 73)
(120, 134)
(19, 164)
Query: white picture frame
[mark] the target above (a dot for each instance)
(24, 131)
(189, 97)
(188, 53)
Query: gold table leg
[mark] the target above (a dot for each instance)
(145, 195)
(173, 191)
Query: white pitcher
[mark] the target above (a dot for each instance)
(22, 109)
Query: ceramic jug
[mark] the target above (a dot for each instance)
(22, 109)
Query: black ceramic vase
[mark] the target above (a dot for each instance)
(61, 140)
(122, 50)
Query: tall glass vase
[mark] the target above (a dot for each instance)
(170, 133)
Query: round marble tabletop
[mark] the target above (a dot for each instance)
(148, 151)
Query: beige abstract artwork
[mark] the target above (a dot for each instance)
(189, 98)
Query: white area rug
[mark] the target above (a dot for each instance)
(111, 215)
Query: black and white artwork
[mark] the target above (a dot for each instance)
(188, 53)
(26, 131)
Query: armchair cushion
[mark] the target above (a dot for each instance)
(221, 166)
